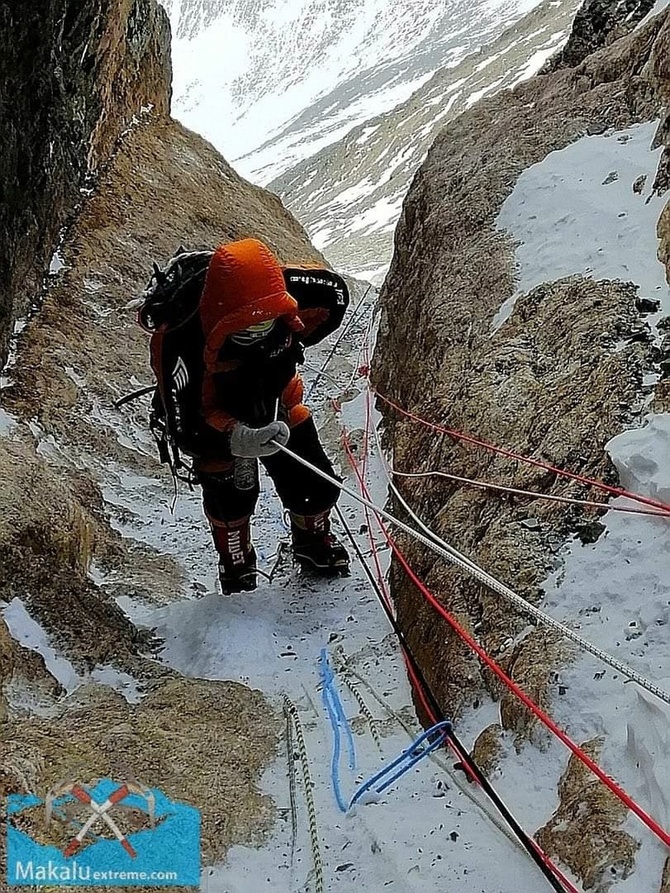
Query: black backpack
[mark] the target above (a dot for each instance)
(169, 312)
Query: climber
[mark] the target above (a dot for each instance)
(256, 317)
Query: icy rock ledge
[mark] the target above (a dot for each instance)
(642, 458)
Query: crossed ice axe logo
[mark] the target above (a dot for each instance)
(100, 812)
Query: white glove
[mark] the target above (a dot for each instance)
(251, 443)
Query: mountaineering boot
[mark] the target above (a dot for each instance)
(237, 557)
(315, 547)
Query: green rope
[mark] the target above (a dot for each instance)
(292, 710)
(290, 751)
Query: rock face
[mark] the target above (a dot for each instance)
(555, 382)
(597, 24)
(156, 186)
(584, 830)
(73, 74)
(163, 187)
(186, 737)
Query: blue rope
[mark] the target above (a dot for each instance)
(417, 751)
(334, 710)
(341, 717)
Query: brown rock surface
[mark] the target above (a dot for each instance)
(205, 742)
(487, 748)
(165, 187)
(664, 237)
(73, 75)
(585, 831)
(665, 880)
(597, 24)
(498, 389)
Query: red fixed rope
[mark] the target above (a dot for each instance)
(360, 471)
(618, 791)
(414, 679)
(562, 472)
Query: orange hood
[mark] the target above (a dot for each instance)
(244, 286)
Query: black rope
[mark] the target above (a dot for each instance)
(337, 343)
(140, 392)
(524, 838)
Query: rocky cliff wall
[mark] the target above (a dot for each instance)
(599, 23)
(556, 381)
(105, 73)
(73, 75)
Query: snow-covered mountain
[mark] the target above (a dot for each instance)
(269, 83)
(349, 195)
(334, 104)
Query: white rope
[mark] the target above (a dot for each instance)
(442, 548)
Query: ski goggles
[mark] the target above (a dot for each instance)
(254, 333)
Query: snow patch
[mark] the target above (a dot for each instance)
(382, 215)
(589, 209)
(32, 635)
(124, 683)
(8, 423)
(659, 6)
(615, 592)
(29, 633)
(57, 263)
(642, 458)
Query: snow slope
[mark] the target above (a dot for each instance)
(594, 195)
(429, 831)
(350, 194)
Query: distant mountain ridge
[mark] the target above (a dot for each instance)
(349, 195)
(271, 86)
